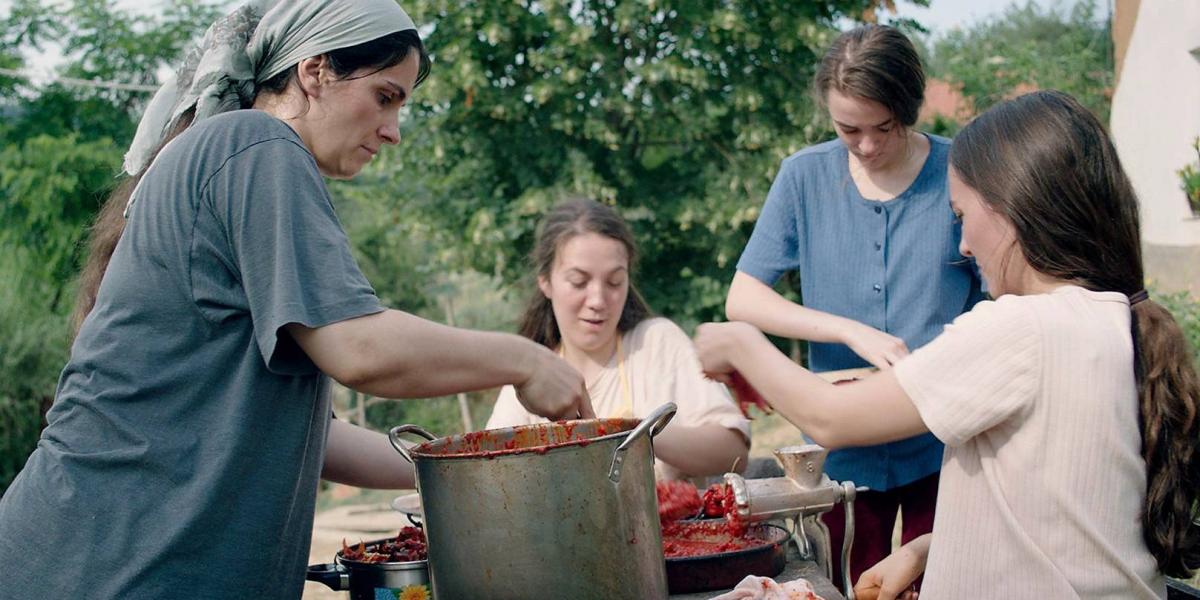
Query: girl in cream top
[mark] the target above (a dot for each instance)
(654, 363)
(1068, 405)
(586, 309)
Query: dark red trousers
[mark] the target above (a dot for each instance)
(874, 521)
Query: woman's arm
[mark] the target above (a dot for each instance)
(755, 302)
(868, 412)
(397, 355)
(364, 458)
(702, 450)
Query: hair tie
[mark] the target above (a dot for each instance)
(1138, 296)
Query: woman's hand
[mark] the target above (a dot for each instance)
(876, 347)
(554, 389)
(893, 576)
(718, 343)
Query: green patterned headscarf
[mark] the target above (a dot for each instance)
(249, 46)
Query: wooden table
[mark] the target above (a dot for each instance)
(796, 568)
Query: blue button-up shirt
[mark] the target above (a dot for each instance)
(892, 265)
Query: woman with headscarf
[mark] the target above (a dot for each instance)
(192, 422)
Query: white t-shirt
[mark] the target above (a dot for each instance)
(661, 366)
(1042, 482)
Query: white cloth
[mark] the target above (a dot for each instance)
(754, 587)
(662, 366)
(1042, 481)
(250, 45)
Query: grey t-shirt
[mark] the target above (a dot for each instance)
(187, 436)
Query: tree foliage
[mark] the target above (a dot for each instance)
(100, 42)
(676, 112)
(60, 152)
(1030, 47)
(53, 186)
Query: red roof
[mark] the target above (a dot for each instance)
(946, 99)
(943, 98)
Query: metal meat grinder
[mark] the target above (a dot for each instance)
(802, 495)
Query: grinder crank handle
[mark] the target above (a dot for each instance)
(397, 431)
(848, 493)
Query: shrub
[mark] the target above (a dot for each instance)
(1186, 310)
(1189, 177)
(33, 350)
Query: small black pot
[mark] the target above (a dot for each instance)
(363, 579)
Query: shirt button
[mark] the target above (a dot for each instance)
(877, 287)
(878, 246)
(878, 209)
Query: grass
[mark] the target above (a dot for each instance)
(768, 432)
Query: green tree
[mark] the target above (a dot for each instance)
(676, 112)
(60, 153)
(1030, 46)
(52, 187)
(100, 42)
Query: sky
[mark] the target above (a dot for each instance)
(944, 15)
(940, 16)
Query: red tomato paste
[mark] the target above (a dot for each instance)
(680, 499)
(676, 500)
(701, 538)
(536, 439)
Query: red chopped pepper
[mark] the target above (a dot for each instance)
(746, 395)
(408, 546)
(676, 500)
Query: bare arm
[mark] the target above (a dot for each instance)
(702, 450)
(893, 576)
(397, 355)
(364, 458)
(872, 411)
(755, 302)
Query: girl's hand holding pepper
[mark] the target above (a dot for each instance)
(716, 344)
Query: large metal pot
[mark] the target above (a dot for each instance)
(555, 510)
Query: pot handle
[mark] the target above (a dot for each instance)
(653, 423)
(333, 575)
(397, 431)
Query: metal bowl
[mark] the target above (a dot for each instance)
(409, 505)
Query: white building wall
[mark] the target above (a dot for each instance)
(1156, 116)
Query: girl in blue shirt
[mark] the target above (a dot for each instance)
(865, 221)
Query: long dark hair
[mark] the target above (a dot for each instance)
(878, 63)
(1045, 163)
(563, 222)
(376, 55)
